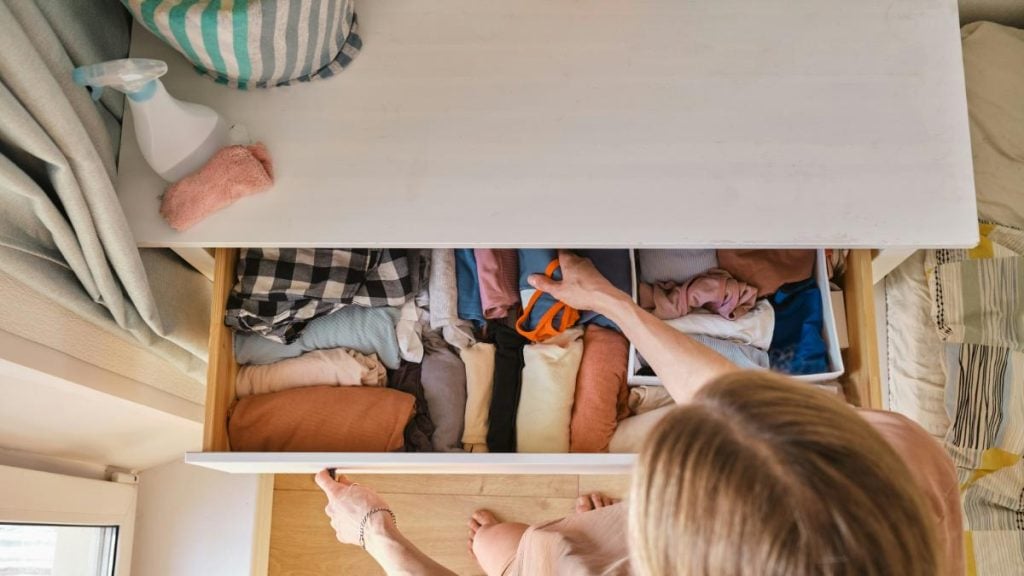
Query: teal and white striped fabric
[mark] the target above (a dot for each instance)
(256, 43)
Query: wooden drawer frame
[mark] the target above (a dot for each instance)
(862, 383)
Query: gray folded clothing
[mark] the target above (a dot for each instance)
(444, 384)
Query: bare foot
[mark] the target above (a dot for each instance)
(593, 501)
(478, 520)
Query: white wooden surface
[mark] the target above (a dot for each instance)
(411, 463)
(604, 123)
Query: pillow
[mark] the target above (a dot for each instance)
(993, 61)
(600, 390)
(321, 419)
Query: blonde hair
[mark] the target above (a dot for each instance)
(764, 475)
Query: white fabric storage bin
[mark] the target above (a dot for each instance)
(835, 358)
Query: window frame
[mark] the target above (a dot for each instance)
(33, 497)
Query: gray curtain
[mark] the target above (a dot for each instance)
(62, 230)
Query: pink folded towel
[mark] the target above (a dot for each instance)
(233, 172)
(716, 291)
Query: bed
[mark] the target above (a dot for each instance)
(955, 318)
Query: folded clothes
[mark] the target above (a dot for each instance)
(444, 385)
(444, 295)
(321, 419)
(365, 330)
(335, 367)
(479, 361)
(498, 276)
(549, 386)
(600, 396)
(798, 346)
(616, 266)
(754, 328)
(631, 433)
(232, 173)
(409, 332)
(543, 316)
(420, 428)
(742, 355)
(677, 266)
(466, 277)
(715, 290)
(279, 290)
(508, 369)
(768, 269)
(643, 399)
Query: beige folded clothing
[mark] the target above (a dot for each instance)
(479, 361)
(549, 387)
(631, 432)
(332, 367)
(643, 399)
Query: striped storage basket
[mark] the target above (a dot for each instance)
(256, 43)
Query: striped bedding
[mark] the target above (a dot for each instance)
(977, 304)
(256, 43)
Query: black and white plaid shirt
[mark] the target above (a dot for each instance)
(279, 290)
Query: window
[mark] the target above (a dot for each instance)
(56, 550)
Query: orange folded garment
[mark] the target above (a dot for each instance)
(232, 173)
(321, 419)
(601, 393)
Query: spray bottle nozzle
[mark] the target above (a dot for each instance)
(133, 76)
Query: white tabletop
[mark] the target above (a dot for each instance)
(603, 123)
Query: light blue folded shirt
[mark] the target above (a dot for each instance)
(365, 330)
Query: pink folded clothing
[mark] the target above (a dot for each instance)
(232, 173)
(716, 291)
(333, 367)
(498, 276)
(768, 270)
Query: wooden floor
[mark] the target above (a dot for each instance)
(431, 510)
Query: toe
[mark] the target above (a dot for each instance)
(473, 525)
(584, 504)
(484, 517)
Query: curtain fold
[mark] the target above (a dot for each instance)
(62, 229)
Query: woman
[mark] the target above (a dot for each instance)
(753, 473)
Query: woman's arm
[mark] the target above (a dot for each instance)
(347, 506)
(683, 364)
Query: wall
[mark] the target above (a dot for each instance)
(56, 417)
(191, 520)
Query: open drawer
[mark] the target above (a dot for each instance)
(861, 383)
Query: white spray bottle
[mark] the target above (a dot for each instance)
(176, 138)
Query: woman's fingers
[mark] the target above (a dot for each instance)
(542, 282)
(325, 482)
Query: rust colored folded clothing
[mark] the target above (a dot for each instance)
(333, 367)
(601, 392)
(716, 291)
(768, 269)
(321, 419)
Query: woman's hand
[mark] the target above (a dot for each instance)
(582, 286)
(347, 505)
